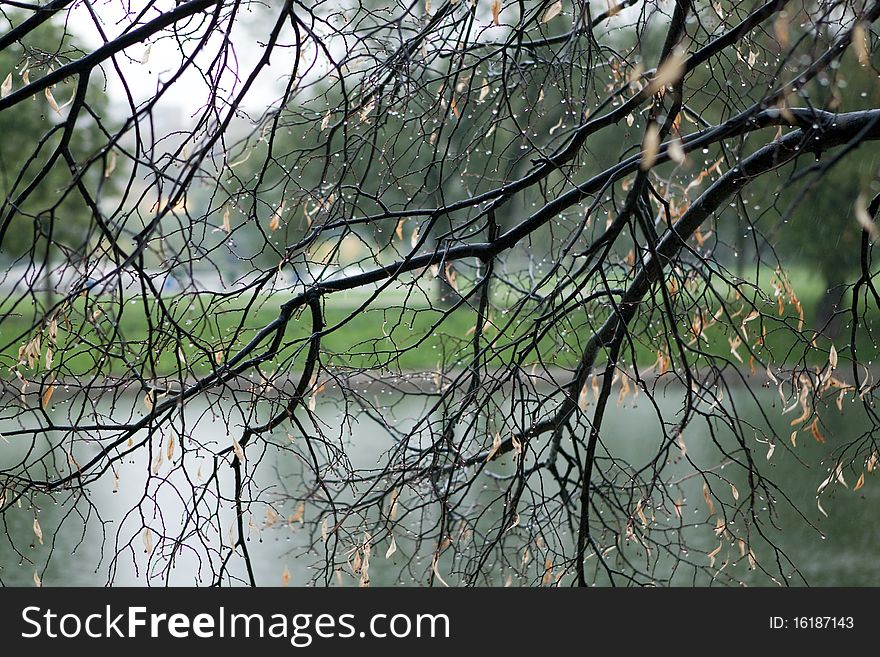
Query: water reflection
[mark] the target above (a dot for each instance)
(839, 549)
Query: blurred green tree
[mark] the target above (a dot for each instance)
(55, 216)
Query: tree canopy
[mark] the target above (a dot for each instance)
(389, 278)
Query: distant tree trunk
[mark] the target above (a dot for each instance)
(826, 321)
(445, 292)
(49, 289)
(741, 246)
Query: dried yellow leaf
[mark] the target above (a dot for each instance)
(650, 146)
(157, 461)
(860, 43)
(110, 163)
(47, 395)
(676, 152)
(454, 107)
(669, 72)
(366, 109)
(392, 505)
(51, 100)
(814, 429)
(496, 445)
(147, 538)
(517, 445)
(365, 564)
(707, 495)
(780, 30)
(298, 514)
(714, 553)
(435, 567)
(392, 548)
(239, 452)
(484, 90)
(860, 482)
(496, 11)
(552, 12)
(548, 572)
(864, 219)
(735, 343)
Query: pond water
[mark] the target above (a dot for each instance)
(840, 549)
